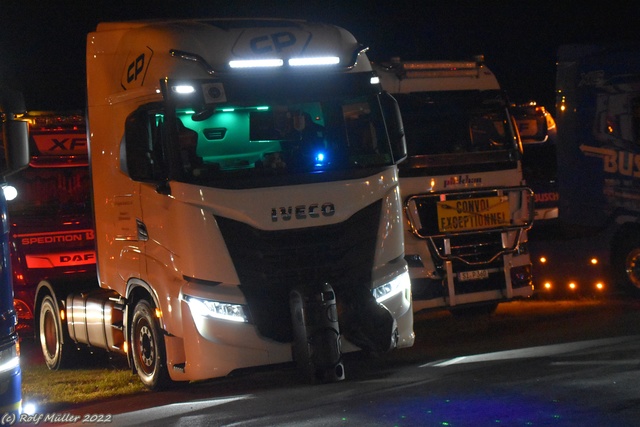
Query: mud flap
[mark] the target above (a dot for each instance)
(316, 334)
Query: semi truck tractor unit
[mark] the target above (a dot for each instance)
(467, 210)
(52, 234)
(246, 201)
(13, 159)
(597, 111)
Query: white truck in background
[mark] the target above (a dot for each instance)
(467, 210)
(246, 203)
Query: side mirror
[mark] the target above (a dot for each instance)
(15, 133)
(395, 128)
(16, 147)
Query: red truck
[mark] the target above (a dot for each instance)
(52, 233)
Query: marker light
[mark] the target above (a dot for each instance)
(254, 63)
(319, 60)
(10, 192)
(217, 309)
(183, 89)
(394, 287)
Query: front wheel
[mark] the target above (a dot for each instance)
(56, 345)
(148, 351)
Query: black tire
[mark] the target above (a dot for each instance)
(57, 348)
(147, 347)
(625, 261)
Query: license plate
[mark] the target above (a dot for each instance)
(463, 276)
(473, 214)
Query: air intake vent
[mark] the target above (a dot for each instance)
(214, 134)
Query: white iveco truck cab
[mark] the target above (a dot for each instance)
(467, 210)
(246, 203)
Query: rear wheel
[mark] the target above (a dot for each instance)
(56, 345)
(625, 261)
(148, 351)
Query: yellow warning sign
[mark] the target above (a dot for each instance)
(473, 214)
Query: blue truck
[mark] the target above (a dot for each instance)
(11, 106)
(598, 156)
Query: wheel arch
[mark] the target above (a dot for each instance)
(137, 290)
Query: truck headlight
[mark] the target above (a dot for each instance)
(398, 285)
(217, 309)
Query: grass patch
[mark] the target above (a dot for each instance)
(54, 389)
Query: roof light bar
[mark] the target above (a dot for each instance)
(427, 69)
(440, 73)
(318, 60)
(255, 63)
(183, 89)
(435, 65)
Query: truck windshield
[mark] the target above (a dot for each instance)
(455, 128)
(50, 192)
(281, 127)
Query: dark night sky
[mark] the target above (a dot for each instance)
(42, 43)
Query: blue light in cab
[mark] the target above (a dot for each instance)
(320, 158)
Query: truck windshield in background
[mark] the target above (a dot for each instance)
(52, 232)
(452, 127)
(51, 191)
(284, 130)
